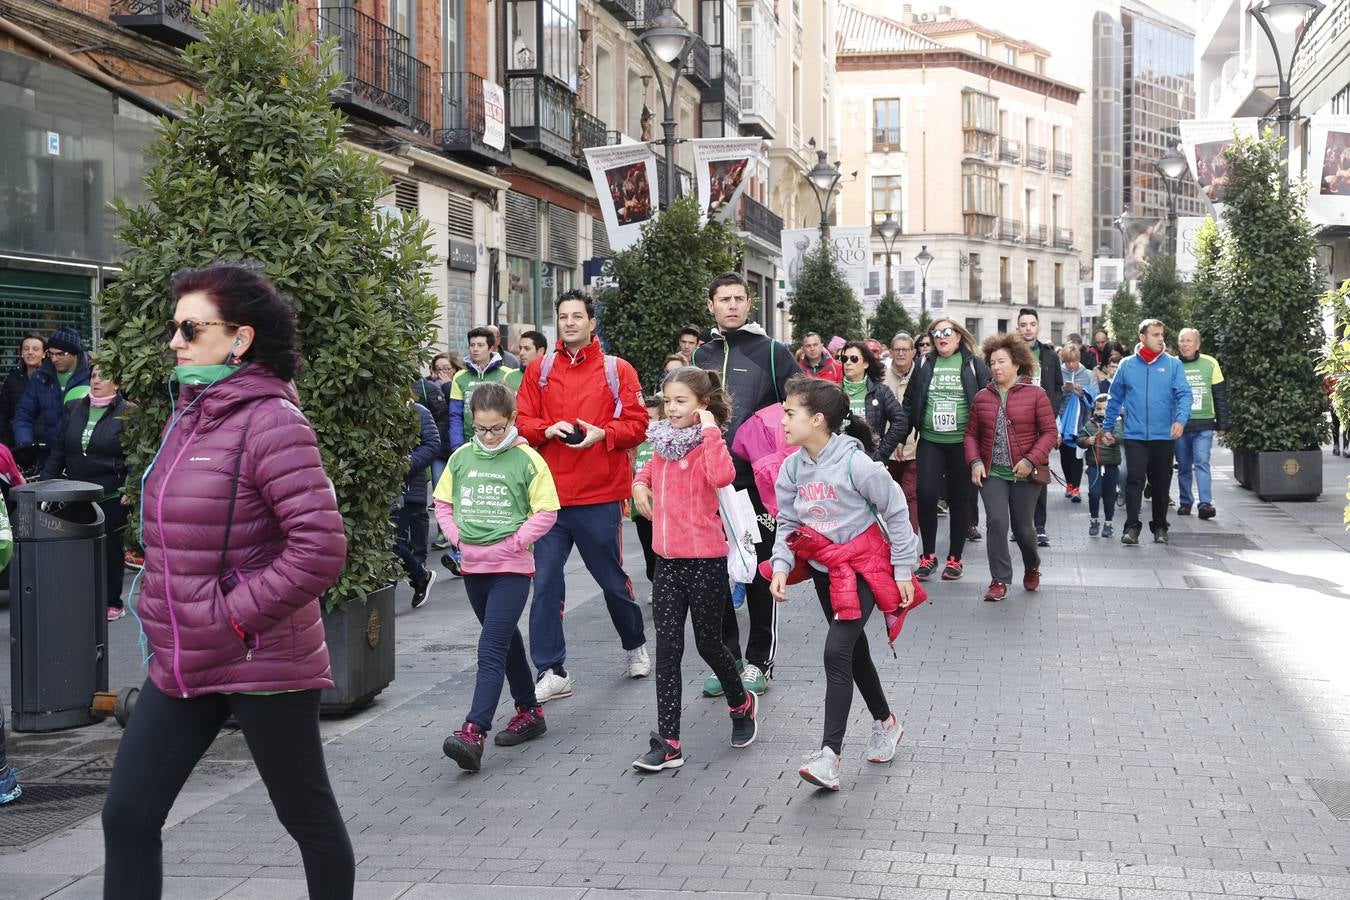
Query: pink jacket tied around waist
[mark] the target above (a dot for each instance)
(868, 557)
(253, 623)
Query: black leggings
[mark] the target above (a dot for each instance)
(936, 463)
(165, 738)
(1072, 464)
(698, 589)
(848, 661)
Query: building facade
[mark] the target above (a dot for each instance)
(969, 145)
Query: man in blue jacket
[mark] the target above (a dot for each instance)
(62, 377)
(1152, 391)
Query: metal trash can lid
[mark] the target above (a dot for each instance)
(58, 491)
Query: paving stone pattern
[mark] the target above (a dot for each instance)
(1143, 728)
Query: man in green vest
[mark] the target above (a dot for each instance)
(483, 364)
(1209, 417)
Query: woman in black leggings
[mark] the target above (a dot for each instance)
(938, 402)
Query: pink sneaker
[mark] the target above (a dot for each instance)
(116, 612)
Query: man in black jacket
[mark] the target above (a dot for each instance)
(1052, 380)
(754, 369)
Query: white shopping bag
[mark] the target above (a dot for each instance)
(742, 529)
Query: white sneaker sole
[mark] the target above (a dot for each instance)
(891, 755)
(648, 767)
(556, 696)
(810, 778)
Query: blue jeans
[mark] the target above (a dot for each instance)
(597, 531)
(498, 599)
(1193, 449)
(1102, 483)
(410, 538)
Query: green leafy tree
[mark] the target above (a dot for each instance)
(1206, 314)
(1123, 317)
(1272, 332)
(890, 319)
(1162, 295)
(822, 300)
(257, 169)
(663, 285)
(1336, 364)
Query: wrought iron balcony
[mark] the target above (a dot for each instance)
(1037, 234)
(541, 113)
(624, 10)
(1008, 230)
(698, 66)
(1036, 156)
(1064, 238)
(167, 21)
(591, 132)
(757, 219)
(379, 74)
(426, 101)
(464, 120)
(886, 138)
(1063, 163)
(726, 86)
(1009, 150)
(682, 177)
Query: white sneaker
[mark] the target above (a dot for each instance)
(821, 769)
(885, 735)
(551, 686)
(639, 663)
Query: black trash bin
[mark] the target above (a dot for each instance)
(58, 625)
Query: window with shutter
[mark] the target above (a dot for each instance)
(522, 225)
(460, 216)
(562, 237)
(405, 194)
(599, 238)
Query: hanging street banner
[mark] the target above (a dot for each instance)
(625, 187)
(494, 115)
(907, 284)
(1087, 299)
(1107, 275)
(722, 169)
(937, 299)
(1329, 164)
(1187, 228)
(852, 251)
(1203, 144)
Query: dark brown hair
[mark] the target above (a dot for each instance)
(707, 387)
(829, 400)
(875, 370)
(243, 295)
(1017, 348)
(493, 396)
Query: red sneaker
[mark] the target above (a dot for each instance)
(952, 570)
(1031, 579)
(997, 591)
(927, 566)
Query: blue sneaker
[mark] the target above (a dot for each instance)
(737, 595)
(9, 786)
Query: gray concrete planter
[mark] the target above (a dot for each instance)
(1280, 475)
(361, 652)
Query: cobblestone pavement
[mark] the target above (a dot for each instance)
(1149, 726)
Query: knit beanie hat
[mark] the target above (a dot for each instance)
(67, 339)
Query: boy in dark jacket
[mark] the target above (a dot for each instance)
(410, 518)
(1103, 466)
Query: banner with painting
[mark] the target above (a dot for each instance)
(908, 282)
(1088, 299)
(625, 187)
(852, 251)
(1203, 143)
(1329, 170)
(1107, 275)
(722, 169)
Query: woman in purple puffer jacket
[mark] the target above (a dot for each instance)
(242, 537)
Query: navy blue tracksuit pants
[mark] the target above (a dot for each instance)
(597, 531)
(498, 599)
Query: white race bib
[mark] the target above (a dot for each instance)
(944, 416)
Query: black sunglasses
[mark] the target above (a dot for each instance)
(852, 358)
(945, 331)
(188, 328)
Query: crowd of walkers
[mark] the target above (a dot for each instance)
(844, 457)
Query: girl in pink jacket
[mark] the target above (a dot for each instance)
(690, 462)
(495, 499)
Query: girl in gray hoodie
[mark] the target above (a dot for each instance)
(832, 485)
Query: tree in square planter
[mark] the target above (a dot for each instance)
(1258, 286)
(257, 169)
(822, 299)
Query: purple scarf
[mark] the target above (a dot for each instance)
(671, 443)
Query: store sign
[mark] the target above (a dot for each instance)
(494, 115)
(463, 255)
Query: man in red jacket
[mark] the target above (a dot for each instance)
(817, 362)
(583, 414)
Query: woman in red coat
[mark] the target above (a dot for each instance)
(1008, 440)
(242, 537)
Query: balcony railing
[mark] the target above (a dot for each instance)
(378, 71)
(698, 66)
(758, 108)
(1064, 238)
(167, 21)
(624, 10)
(541, 113)
(1008, 230)
(1005, 291)
(1033, 294)
(1063, 163)
(682, 177)
(1009, 150)
(591, 131)
(1059, 297)
(884, 139)
(426, 105)
(1036, 156)
(464, 120)
(757, 219)
(726, 87)
(1037, 234)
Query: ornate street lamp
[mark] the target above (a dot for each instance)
(823, 178)
(1171, 166)
(1292, 19)
(924, 259)
(668, 39)
(888, 229)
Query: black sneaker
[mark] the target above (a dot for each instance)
(1107, 529)
(420, 590)
(525, 725)
(660, 756)
(1042, 539)
(451, 561)
(1095, 528)
(1184, 509)
(1130, 535)
(973, 535)
(1148, 491)
(927, 566)
(745, 725)
(466, 747)
(1207, 511)
(953, 570)
(1160, 535)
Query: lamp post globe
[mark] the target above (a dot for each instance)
(924, 259)
(823, 178)
(1172, 164)
(888, 228)
(667, 36)
(1286, 15)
